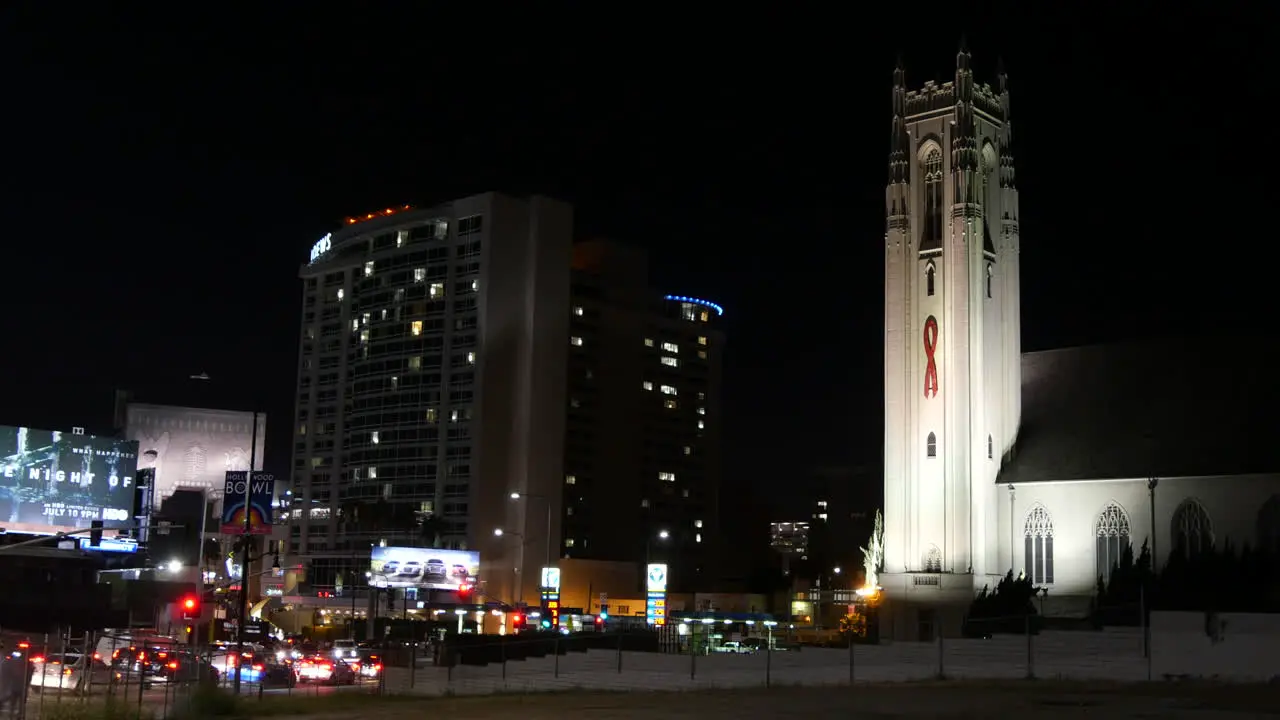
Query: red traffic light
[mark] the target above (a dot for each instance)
(190, 606)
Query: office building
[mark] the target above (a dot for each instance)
(429, 384)
(642, 443)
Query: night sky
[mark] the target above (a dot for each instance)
(164, 176)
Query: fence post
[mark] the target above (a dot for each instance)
(619, 652)
(556, 649)
(851, 658)
(942, 675)
(1031, 660)
(768, 664)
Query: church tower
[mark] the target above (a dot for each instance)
(952, 347)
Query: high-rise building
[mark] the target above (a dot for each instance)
(431, 380)
(642, 443)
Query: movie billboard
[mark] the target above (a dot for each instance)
(429, 568)
(53, 481)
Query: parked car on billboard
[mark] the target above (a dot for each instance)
(429, 568)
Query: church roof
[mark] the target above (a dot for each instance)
(1158, 408)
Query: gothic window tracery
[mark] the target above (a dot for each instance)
(930, 274)
(933, 560)
(931, 446)
(1038, 546)
(931, 231)
(1112, 530)
(1192, 530)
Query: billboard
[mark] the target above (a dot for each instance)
(430, 568)
(656, 578)
(261, 498)
(52, 481)
(193, 448)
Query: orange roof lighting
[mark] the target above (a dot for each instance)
(386, 212)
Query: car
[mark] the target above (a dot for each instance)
(413, 568)
(369, 664)
(390, 567)
(345, 650)
(70, 671)
(326, 670)
(436, 568)
(460, 573)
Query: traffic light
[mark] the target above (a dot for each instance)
(517, 621)
(190, 605)
(464, 593)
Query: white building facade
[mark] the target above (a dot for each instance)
(973, 487)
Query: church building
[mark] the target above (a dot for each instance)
(1046, 463)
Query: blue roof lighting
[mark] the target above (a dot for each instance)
(705, 303)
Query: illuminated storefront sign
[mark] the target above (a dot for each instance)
(656, 578)
(321, 247)
(551, 579)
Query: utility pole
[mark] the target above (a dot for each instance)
(243, 597)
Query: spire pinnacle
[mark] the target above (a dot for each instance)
(964, 44)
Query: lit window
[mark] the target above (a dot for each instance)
(703, 316)
(575, 341)
(302, 429)
(570, 479)
(373, 437)
(702, 425)
(669, 390)
(687, 310)
(697, 523)
(364, 318)
(702, 340)
(433, 415)
(395, 382)
(702, 411)
(401, 236)
(415, 362)
(667, 477)
(471, 358)
(373, 473)
(671, 347)
(669, 404)
(688, 450)
(437, 290)
(577, 310)
(648, 385)
(355, 325)
(670, 361)
(364, 336)
(644, 503)
(568, 542)
(341, 294)
(419, 274)
(702, 354)
(697, 537)
(368, 268)
(415, 327)
(648, 342)
(475, 286)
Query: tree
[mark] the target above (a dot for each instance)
(873, 554)
(1008, 609)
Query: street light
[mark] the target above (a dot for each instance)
(499, 532)
(663, 535)
(516, 495)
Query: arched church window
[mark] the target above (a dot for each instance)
(991, 448)
(929, 274)
(1038, 546)
(1269, 525)
(1112, 538)
(933, 560)
(931, 231)
(1192, 530)
(991, 274)
(931, 446)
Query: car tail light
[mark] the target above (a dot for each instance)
(24, 645)
(173, 665)
(377, 668)
(97, 656)
(66, 671)
(37, 659)
(258, 667)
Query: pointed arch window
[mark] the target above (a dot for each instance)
(1192, 530)
(931, 230)
(1038, 546)
(991, 448)
(933, 560)
(991, 275)
(930, 275)
(931, 446)
(1112, 531)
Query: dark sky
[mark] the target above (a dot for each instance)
(164, 175)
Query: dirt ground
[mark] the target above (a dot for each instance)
(1045, 700)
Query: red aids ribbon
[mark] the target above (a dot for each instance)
(931, 369)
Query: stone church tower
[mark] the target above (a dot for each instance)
(952, 347)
